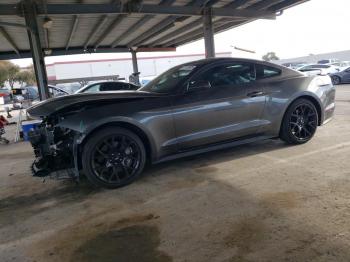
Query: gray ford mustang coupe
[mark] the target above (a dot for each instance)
(192, 108)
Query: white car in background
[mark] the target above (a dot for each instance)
(106, 86)
(342, 65)
(328, 61)
(319, 69)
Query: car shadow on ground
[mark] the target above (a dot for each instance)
(67, 191)
(201, 220)
(173, 212)
(220, 156)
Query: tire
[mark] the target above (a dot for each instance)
(299, 123)
(336, 80)
(113, 157)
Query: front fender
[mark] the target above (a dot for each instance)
(86, 129)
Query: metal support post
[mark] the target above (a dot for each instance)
(30, 16)
(208, 33)
(135, 67)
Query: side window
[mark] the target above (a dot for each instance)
(93, 88)
(109, 87)
(33, 94)
(227, 75)
(264, 71)
(121, 86)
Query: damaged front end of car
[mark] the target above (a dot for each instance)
(55, 150)
(65, 123)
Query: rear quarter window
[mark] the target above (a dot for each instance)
(264, 71)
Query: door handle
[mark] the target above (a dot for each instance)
(255, 94)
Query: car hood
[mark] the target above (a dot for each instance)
(53, 105)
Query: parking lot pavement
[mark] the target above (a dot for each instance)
(258, 202)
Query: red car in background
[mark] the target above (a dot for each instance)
(6, 94)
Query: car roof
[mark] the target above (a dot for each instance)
(207, 61)
(218, 59)
(321, 65)
(103, 82)
(108, 81)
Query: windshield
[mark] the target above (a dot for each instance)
(168, 81)
(315, 66)
(325, 61)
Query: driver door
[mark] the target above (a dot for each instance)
(221, 103)
(346, 76)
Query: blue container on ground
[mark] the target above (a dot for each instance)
(28, 126)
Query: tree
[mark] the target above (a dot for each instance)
(24, 77)
(30, 75)
(270, 56)
(8, 72)
(3, 73)
(12, 72)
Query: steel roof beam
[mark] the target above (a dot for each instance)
(184, 37)
(162, 26)
(198, 34)
(74, 28)
(8, 38)
(179, 31)
(264, 4)
(114, 24)
(108, 30)
(166, 23)
(95, 31)
(76, 9)
(140, 23)
(97, 28)
(261, 5)
(196, 23)
(287, 3)
(80, 50)
(195, 32)
(235, 4)
(72, 31)
(131, 30)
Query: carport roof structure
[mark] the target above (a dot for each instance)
(87, 26)
(38, 28)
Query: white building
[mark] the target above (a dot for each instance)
(313, 58)
(122, 67)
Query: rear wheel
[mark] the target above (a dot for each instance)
(113, 157)
(336, 80)
(300, 122)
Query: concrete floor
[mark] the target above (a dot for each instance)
(258, 202)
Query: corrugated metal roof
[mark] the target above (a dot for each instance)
(115, 32)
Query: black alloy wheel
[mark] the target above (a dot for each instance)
(113, 157)
(336, 80)
(300, 122)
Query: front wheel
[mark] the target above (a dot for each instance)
(335, 80)
(300, 122)
(113, 157)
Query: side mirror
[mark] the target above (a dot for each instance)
(198, 85)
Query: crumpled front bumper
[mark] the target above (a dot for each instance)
(54, 152)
